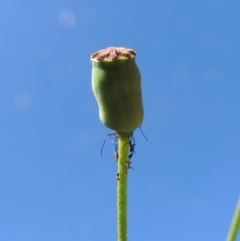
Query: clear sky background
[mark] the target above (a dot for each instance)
(184, 186)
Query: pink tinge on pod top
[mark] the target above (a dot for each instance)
(112, 53)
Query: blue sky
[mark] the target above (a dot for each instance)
(184, 186)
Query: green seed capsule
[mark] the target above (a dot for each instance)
(116, 84)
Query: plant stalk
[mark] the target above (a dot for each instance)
(235, 226)
(123, 149)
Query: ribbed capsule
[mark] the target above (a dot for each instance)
(116, 84)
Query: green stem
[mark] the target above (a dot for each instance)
(235, 226)
(123, 149)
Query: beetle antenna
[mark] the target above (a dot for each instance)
(140, 128)
(108, 135)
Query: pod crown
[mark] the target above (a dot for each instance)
(113, 53)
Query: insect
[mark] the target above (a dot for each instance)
(131, 143)
(132, 147)
(130, 156)
(116, 155)
(128, 166)
(117, 176)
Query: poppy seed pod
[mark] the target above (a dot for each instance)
(116, 84)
